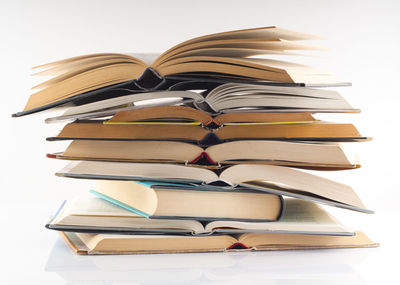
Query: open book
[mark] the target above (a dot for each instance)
(84, 243)
(318, 131)
(90, 214)
(319, 156)
(192, 116)
(272, 179)
(150, 200)
(222, 55)
(226, 98)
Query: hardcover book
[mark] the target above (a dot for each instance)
(317, 156)
(319, 131)
(84, 243)
(91, 214)
(226, 98)
(227, 57)
(267, 178)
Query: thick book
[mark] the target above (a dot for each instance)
(90, 244)
(267, 178)
(179, 202)
(226, 98)
(318, 131)
(91, 214)
(317, 156)
(228, 55)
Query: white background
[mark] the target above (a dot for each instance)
(364, 38)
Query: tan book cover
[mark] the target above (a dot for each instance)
(91, 244)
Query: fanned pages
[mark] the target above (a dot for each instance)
(226, 98)
(224, 55)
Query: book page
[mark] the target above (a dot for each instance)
(131, 99)
(298, 217)
(292, 180)
(278, 151)
(182, 113)
(89, 205)
(89, 211)
(137, 171)
(268, 46)
(132, 150)
(300, 241)
(104, 243)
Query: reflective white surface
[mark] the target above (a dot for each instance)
(364, 38)
(33, 254)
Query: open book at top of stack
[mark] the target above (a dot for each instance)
(205, 148)
(194, 64)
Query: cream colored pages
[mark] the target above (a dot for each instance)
(153, 243)
(217, 204)
(272, 46)
(85, 81)
(278, 102)
(131, 99)
(168, 150)
(81, 68)
(227, 52)
(298, 217)
(89, 210)
(266, 33)
(279, 150)
(129, 193)
(230, 89)
(299, 241)
(76, 60)
(256, 34)
(233, 95)
(89, 205)
(123, 170)
(290, 179)
(236, 150)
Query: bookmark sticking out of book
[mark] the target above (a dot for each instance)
(119, 203)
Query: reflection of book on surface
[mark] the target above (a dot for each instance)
(89, 213)
(268, 178)
(205, 268)
(294, 154)
(84, 243)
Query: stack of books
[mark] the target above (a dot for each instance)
(205, 148)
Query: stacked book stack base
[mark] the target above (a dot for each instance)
(213, 146)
